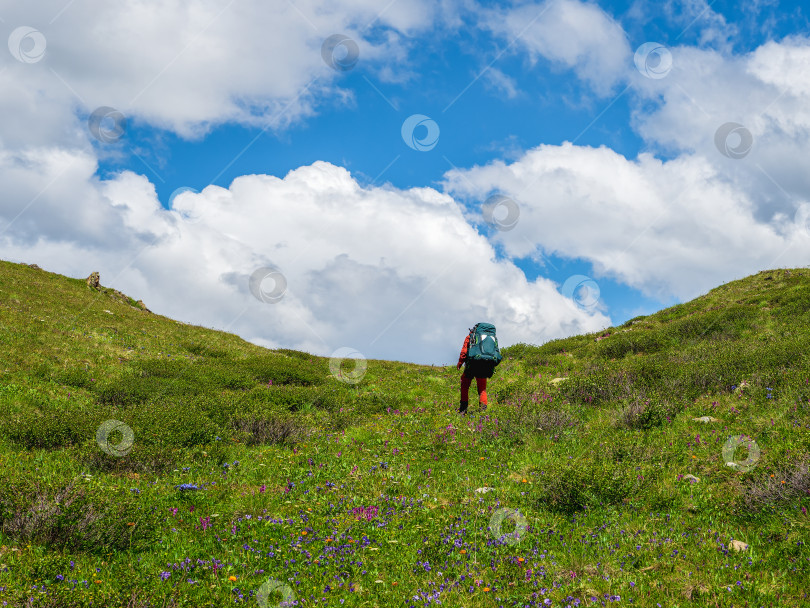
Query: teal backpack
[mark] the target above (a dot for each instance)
(484, 344)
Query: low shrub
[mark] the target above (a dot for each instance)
(289, 398)
(175, 423)
(644, 413)
(508, 392)
(47, 427)
(515, 425)
(568, 488)
(264, 430)
(619, 344)
(72, 517)
(599, 384)
(788, 481)
(341, 420)
(284, 370)
(127, 392)
(202, 350)
(729, 323)
(519, 351)
(295, 354)
(77, 377)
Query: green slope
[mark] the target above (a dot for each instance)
(107, 410)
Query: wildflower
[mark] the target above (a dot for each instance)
(303, 532)
(486, 589)
(186, 486)
(463, 551)
(232, 578)
(520, 559)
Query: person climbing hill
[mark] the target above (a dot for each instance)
(479, 355)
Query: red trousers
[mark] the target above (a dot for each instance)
(481, 385)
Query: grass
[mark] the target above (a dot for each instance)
(253, 475)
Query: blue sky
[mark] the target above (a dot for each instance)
(509, 85)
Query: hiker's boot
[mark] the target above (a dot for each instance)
(462, 408)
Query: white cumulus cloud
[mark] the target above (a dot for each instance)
(569, 33)
(395, 274)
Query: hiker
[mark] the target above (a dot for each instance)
(479, 355)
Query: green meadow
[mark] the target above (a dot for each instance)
(147, 462)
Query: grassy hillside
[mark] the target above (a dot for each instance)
(146, 462)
